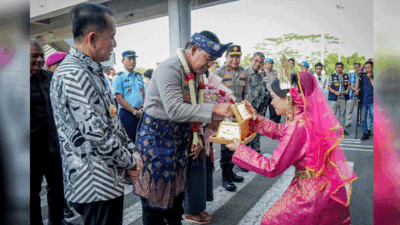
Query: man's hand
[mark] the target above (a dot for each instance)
(139, 113)
(337, 93)
(369, 75)
(222, 110)
(195, 150)
(234, 145)
(135, 173)
(356, 92)
(215, 120)
(346, 92)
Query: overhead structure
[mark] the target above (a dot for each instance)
(51, 23)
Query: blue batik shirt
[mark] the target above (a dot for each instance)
(353, 80)
(132, 88)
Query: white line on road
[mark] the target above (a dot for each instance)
(357, 149)
(360, 146)
(271, 196)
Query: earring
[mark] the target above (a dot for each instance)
(289, 109)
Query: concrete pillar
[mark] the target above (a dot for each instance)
(179, 13)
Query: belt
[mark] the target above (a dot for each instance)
(304, 174)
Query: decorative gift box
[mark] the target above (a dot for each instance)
(240, 130)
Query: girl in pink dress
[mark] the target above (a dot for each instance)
(309, 140)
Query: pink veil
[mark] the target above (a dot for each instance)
(326, 133)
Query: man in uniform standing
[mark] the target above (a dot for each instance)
(257, 90)
(130, 91)
(339, 87)
(270, 76)
(235, 78)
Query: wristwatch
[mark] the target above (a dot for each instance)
(134, 112)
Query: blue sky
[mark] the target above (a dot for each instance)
(248, 22)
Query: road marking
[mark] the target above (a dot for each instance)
(271, 196)
(361, 146)
(357, 149)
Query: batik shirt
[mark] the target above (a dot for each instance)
(95, 148)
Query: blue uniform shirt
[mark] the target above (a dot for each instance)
(131, 86)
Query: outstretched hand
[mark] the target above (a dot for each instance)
(234, 145)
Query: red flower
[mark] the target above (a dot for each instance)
(202, 86)
(195, 127)
(221, 92)
(294, 91)
(231, 101)
(190, 76)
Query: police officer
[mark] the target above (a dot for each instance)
(305, 66)
(257, 90)
(236, 79)
(339, 87)
(270, 75)
(130, 92)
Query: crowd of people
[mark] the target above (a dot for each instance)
(100, 130)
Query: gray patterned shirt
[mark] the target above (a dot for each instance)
(95, 148)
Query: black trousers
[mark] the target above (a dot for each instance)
(172, 216)
(47, 164)
(130, 123)
(226, 161)
(272, 113)
(101, 212)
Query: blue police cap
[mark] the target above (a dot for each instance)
(269, 60)
(129, 53)
(304, 63)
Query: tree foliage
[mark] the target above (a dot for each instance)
(140, 70)
(245, 62)
(333, 58)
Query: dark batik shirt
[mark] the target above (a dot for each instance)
(95, 148)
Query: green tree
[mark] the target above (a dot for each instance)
(140, 70)
(245, 62)
(333, 58)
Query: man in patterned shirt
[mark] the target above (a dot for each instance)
(257, 90)
(96, 152)
(353, 99)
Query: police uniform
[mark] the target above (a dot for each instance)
(340, 84)
(237, 81)
(270, 76)
(132, 88)
(258, 94)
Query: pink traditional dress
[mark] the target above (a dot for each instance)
(318, 192)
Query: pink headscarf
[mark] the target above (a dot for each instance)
(326, 133)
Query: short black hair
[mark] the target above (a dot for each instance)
(319, 64)
(339, 63)
(89, 17)
(259, 54)
(291, 59)
(356, 63)
(148, 73)
(370, 62)
(208, 34)
(35, 43)
(107, 69)
(276, 88)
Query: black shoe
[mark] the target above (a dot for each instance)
(348, 125)
(345, 133)
(242, 169)
(236, 178)
(68, 213)
(228, 185)
(364, 137)
(369, 132)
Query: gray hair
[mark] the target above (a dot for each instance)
(35, 43)
(258, 54)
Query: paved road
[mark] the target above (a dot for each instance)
(257, 193)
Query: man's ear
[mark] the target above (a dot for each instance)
(92, 36)
(193, 49)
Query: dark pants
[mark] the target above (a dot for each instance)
(226, 161)
(101, 212)
(172, 216)
(272, 113)
(47, 164)
(130, 123)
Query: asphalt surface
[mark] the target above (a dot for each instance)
(257, 193)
